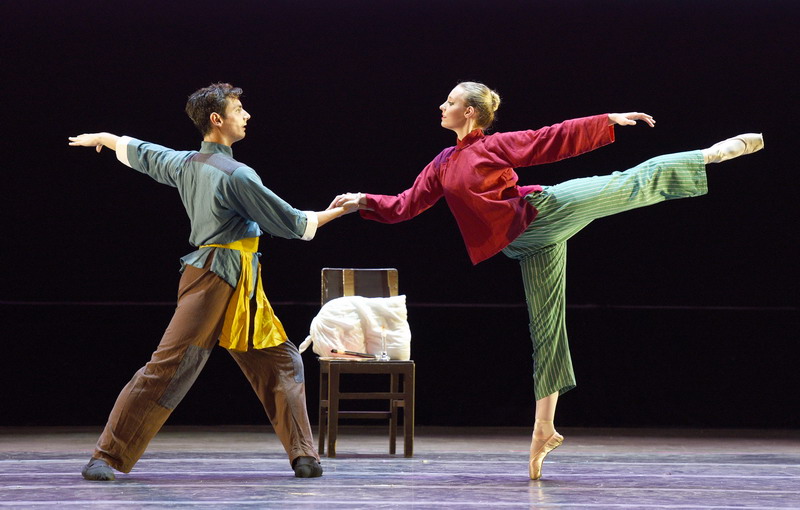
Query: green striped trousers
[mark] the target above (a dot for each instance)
(564, 209)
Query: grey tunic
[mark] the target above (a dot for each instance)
(224, 199)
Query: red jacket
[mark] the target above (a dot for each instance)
(477, 180)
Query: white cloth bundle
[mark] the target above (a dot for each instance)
(361, 324)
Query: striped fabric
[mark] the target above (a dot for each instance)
(564, 209)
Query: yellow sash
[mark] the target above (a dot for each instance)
(268, 330)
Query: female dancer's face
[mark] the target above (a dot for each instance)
(456, 115)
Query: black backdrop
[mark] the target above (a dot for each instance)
(681, 314)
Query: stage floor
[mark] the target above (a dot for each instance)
(463, 468)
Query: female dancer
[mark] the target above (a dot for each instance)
(532, 223)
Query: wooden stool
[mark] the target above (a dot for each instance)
(367, 282)
(400, 394)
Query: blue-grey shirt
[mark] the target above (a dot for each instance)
(225, 200)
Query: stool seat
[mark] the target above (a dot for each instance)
(400, 394)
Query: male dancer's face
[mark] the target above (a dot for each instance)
(235, 121)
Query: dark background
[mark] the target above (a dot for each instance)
(682, 314)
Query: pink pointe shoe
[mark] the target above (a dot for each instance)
(539, 449)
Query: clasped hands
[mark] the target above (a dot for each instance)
(351, 202)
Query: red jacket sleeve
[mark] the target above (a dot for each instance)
(549, 144)
(426, 191)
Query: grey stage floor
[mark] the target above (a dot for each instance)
(463, 468)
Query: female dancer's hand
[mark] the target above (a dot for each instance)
(629, 119)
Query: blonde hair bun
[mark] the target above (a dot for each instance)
(485, 101)
(495, 101)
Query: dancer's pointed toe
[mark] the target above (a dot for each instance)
(539, 450)
(753, 142)
(734, 147)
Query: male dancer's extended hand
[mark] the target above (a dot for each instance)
(96, 140)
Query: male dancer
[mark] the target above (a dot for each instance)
(229, 208)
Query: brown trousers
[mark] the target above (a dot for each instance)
(276, 375)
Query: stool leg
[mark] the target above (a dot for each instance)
(408, 411)
(323, 408)
(393, 387)
(333, 409)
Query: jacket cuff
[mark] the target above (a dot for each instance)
(122, 150)
(311, 225)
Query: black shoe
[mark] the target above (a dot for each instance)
(306, 467)
(97, 469)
